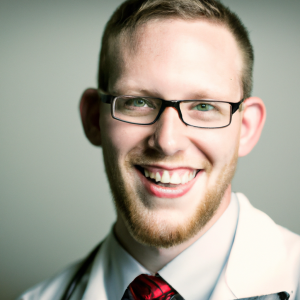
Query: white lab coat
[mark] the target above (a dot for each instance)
(264, 259)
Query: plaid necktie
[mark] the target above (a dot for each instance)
(145, 287)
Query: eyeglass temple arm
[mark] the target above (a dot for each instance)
(235, 106)
(106, 98)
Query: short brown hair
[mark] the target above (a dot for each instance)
(133, 13)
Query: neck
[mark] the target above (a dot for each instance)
(154, 259)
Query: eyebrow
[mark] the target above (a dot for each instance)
(147, 93)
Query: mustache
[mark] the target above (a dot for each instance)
(152, 157)
(148, 156)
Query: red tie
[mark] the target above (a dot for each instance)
(145, 287)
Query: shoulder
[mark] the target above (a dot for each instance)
(291, 239)
(55, 287)
(292, 244)
(256, 218)
(264, 228)
(52, 288)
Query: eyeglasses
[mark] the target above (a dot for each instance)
(147, 110)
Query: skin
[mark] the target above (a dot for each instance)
(173, 60)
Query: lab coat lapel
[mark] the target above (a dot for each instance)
(256, 265)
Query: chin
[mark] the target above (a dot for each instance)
(166, 227)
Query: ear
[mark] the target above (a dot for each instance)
(253, 120)
(90, 113)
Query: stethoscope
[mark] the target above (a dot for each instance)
(80, 273)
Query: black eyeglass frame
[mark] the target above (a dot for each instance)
(110, 99)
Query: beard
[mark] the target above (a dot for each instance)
(138, 212)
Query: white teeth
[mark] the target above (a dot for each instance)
(146, 173)
(185, 178)
(157, 177)
(175, 179)
(165, 177)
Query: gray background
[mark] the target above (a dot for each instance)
(55, 200)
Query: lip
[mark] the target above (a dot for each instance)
(166, 167)
(165, 192)
(179, 170)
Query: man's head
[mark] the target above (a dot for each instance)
(173, 57)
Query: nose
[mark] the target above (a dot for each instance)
(170, 133)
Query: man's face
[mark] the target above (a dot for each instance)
(173, 60)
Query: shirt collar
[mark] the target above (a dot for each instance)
(122, 270)
(193, 273)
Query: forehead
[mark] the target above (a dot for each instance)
(180, 56)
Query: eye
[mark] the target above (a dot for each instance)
(139, 102)
(203, 107)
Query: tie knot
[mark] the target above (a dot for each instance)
(146, 287)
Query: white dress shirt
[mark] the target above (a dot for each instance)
(193, 273)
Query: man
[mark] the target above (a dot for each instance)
(173, 112)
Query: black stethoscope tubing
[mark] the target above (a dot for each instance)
(79, 274)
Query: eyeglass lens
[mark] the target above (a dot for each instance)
(200, 113)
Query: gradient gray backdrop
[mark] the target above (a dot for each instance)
(55, 200)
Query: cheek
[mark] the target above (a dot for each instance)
(121, 137)
(219, 145)
(229, 140)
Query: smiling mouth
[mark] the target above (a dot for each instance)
(167, 178)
